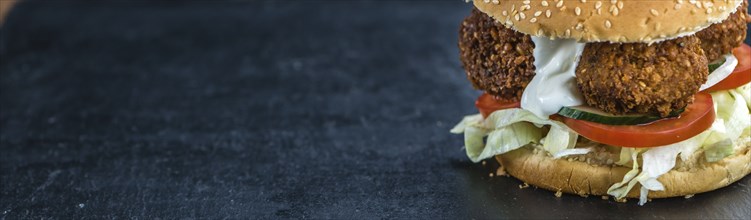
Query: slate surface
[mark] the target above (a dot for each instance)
(215, 109)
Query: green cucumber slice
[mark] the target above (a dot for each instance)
(587, 113)
(716, 64)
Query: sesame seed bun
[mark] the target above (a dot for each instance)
(614, 20)
(582, 178)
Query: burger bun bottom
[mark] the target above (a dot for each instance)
(575, 177)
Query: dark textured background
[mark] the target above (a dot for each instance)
(325, 109)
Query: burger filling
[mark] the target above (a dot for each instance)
(610, 87)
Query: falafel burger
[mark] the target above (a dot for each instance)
(626, 98)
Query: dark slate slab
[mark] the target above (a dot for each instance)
(256, 109)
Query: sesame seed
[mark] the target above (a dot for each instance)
(533, 20)
(608, 24)
(548, 13)
(654, 12)
(598, 4)
(544, 3)
(538, 13)
(578, 11)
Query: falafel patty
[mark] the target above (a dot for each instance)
(720, 39)
(642, 78)
(496, 59)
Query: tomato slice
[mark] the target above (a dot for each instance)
(697, 118)
(742, 73)
(487, 104)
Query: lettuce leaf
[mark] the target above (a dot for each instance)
(509, 129)
(560, 138)
(745, 92)
(656, 162)
(621, 189)
(718, 150)
(625, 157)
(731, 108)
(732, 119)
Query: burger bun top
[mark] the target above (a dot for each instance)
(617, 21)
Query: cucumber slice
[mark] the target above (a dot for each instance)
(716, 64)
(587, 113)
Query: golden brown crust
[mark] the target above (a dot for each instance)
(602, 20)
(641, 78)
(720, 39)
(573, 177)
(496, 59)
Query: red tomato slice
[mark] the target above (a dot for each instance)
(742, 73)
(487, 104)
(697, 118)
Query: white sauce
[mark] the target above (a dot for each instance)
(553, 86)
(721, 72)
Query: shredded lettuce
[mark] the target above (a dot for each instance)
(509, 129)
(656, 162)
(733, 110)
(745, 92)
(718, 150)
(732, 119)
(625, 157)
(621, 189)
(569, 152)
(560, 138)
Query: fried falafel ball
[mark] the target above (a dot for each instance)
(497, 59)
(720, 39)
(641, 78)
